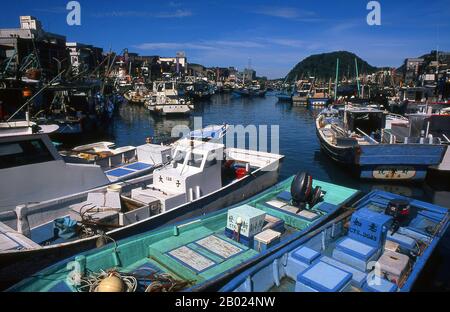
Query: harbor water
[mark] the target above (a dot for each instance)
(297, 141)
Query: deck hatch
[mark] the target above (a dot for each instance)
(219, 246)
(120, 172)
(138, 166)
(191, 258)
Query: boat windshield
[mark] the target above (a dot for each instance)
(179, 157)
(195, 160)
(14, 154)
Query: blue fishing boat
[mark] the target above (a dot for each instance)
(244, 92)
(284, 96)
(196, 254)
(377, 145)
(381, 246)
(319, 97)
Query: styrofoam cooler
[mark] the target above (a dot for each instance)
(266, 239)
(252, 220)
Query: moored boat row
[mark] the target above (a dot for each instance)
(284, 239)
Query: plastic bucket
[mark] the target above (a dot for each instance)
(241, 172)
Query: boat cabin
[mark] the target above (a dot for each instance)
(195, 171)
(27, 160)
(368, 121)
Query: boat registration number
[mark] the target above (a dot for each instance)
(394, 173)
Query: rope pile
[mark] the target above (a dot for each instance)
(165, 283)
(159, 282)
(91, 283)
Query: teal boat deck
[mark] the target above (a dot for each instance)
(195, 251)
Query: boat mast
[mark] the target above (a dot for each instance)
(357, 77)
(336, 82)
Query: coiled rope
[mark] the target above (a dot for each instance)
(91, 283)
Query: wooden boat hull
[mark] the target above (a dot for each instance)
(17, 265)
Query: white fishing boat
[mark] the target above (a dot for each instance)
(133, 161)
(168, 99)
(201, 177)
(28, 157)
(139, 94)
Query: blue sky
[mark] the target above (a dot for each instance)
(275, 35)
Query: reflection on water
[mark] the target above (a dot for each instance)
(298, 142)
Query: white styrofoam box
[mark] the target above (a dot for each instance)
(392, 265)
(392, 246)
(110, 200)
(267, 236)
(153, 153)
(151, 196)
(252, 220)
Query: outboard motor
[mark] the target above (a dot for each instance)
(316, 196)
(303, 193)
(301, 189)
(399, 210)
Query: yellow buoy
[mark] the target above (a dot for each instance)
(111, 284)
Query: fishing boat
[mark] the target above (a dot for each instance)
(256, 89)
(364, 139)
(437, 124)
(381, 246)
(110, 158)
(284, 96)
(286, 92)
(139, 94)
(198, 178)
(301, 96)
(79, 109)
(202, 90)
(169, 99)
(241, 91)
(253, 89)
(319, 97)
(28, 157)
(199, 253)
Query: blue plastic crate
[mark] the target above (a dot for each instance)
(323, 277)
(377, 284)
(369, 227)
(305, 255)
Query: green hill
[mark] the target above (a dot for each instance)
(323, 66)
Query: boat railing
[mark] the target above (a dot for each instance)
(368, 138)
(388, 137)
